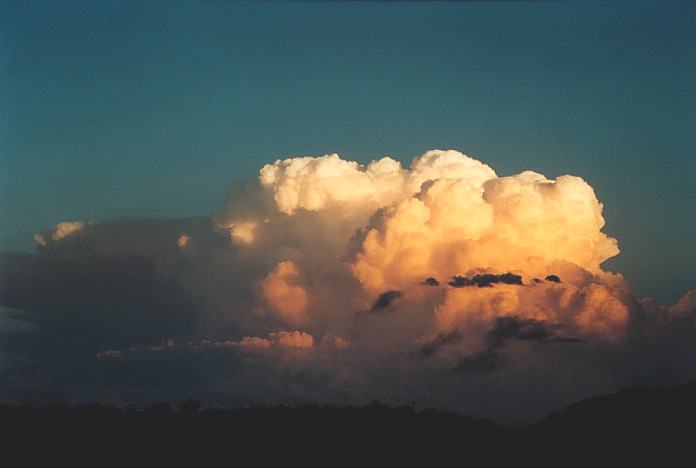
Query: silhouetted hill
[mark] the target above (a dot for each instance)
(630, 421)
(634, 409)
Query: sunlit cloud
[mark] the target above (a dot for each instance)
(387, 281)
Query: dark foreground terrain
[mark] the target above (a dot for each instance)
(632, 423)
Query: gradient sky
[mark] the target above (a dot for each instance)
(118, 109)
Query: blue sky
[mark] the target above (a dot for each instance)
(119, 109)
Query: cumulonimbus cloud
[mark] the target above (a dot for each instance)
(384, 276)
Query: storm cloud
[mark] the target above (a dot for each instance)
(258, 303)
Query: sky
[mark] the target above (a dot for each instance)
(159, 235)
(118, 109)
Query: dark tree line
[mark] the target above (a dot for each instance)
(628, 422)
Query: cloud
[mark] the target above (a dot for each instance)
(385, 299)
(183, 241)
(524, 222)
(281, 339)
(242, 232)
(61, 231)
(257, 304)
(507, 328)
(430, 281)
(314, 184)
(284, 294)
(485, 280)
(295, 339)
(483, 362)
(431, 347)
(685, 306)
(117, 298)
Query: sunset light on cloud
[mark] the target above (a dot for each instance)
(478, 207)
(446, 215)
(440, 267)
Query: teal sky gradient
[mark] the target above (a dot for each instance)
(151, 108)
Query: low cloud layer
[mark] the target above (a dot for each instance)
(323, 280)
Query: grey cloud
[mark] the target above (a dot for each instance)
(509, 328)
(503, 331)
(485, 280)
(484, 362)
(116, 299)
(128, 284)
(432, 347)
(430, 281)
(385, 299)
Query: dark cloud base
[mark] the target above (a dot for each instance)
(117, 313)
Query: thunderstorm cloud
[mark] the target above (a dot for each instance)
(261, 303)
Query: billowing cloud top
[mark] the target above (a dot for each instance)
(326, 280)
(390, 228)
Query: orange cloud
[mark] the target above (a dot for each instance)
(284, 294)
